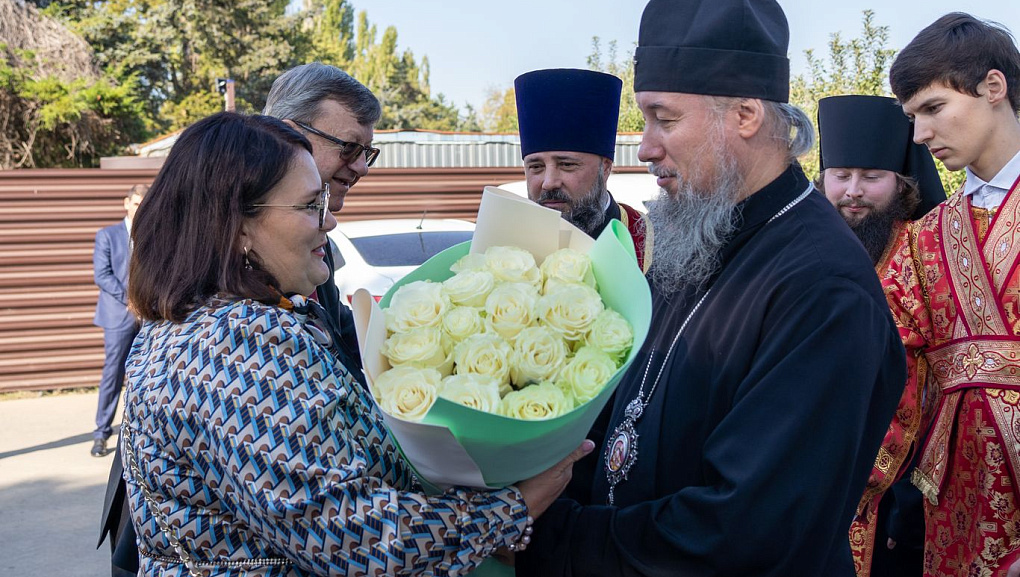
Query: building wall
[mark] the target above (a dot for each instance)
(48, 222)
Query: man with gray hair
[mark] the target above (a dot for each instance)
(740, 441)
(338, 115)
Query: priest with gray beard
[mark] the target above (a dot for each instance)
(740, 441)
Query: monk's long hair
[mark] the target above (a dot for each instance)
(187, 230)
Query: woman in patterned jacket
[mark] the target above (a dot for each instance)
(250, 450)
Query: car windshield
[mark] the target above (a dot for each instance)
(408, 248)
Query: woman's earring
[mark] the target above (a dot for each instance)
(247, 263)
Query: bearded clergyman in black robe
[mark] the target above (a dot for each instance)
(740, 441)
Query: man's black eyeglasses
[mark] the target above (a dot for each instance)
(349, 151)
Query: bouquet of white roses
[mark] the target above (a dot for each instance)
(491, 362)
(502, 336)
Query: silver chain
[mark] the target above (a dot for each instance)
(149, 496)
(641, 390)
(636, 407)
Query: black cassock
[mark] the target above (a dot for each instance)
(754, 450)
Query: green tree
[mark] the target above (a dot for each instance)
(50, 121)
(857, 66)
(177, 49)
(469, 120)
(56, 107)
(397, 78)
(191, 108)
(630, 115)
(499, 112)
(333, 35)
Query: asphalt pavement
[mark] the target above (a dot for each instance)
(51, 489)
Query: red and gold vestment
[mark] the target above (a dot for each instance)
(640, 229)
(953, 286)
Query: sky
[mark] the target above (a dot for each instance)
(475, 45)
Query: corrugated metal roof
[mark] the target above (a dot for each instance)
(434, 149)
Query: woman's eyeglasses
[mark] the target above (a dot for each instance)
(349, 151)
(322, 205)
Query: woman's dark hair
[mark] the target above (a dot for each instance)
(957, 50)
(187, 231)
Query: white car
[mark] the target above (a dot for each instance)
(631, 189)
(374, 254)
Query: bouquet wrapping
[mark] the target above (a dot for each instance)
(453, 444)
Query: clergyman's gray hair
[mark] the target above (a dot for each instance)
(784, 123)
(791, 126)
(298, 92)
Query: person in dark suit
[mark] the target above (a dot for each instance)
(338, 115)
(110, 270)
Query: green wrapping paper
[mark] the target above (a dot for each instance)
(458, 446)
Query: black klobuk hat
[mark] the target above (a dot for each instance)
(872, 132)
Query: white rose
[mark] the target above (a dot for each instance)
(539, 354)
(479, 392)
(510, 309)
(535, 403)
(407, 392)
(587, 373)
(611, 334)
(421, 347)
(512, 264)
(570, 311)
(469, 288)
(470, 261)
(553, 286)
(484, 354)
(416, 304)
(460, 323)
(567, 265)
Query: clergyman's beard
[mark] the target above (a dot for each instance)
(692, 226)
(586, 213)
(875, 230)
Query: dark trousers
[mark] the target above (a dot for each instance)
(117, 344)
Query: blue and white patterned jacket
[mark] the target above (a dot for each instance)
(258, 444)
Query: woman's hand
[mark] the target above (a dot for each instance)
(541, 490)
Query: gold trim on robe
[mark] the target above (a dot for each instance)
(985, 355)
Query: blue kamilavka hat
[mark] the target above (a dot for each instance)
(568, 109)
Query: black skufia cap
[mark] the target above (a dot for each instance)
(714, 47)
(872, 132)
(568, 109)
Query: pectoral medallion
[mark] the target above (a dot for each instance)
(621, 454)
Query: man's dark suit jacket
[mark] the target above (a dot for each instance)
(110, 266)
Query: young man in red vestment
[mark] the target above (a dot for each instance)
(568, 122)
(954, 287)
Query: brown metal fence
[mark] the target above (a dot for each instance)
(48, 222)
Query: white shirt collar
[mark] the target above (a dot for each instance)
(1003, 180)
(989, 195)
